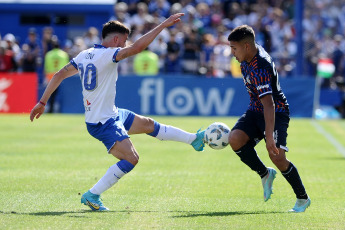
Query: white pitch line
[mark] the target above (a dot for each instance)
(329, 137)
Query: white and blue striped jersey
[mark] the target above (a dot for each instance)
(98, 74)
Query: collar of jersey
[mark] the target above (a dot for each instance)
(99, 46)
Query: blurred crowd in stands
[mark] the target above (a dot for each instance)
(199, 44)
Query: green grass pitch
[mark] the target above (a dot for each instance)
(46, 165)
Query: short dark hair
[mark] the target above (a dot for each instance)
(242, 32)
(114, 27)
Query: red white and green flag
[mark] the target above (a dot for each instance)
(325, 68)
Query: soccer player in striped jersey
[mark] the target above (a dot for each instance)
(267, 116)
(97, 68)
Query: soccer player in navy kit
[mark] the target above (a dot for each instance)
(97, 68)
(266, 117)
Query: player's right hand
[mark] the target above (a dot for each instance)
(271, 147)
(37, 111)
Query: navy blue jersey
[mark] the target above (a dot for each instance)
(260, 78)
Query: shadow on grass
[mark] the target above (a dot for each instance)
(183, 214)
(217, 214)
(53, 213)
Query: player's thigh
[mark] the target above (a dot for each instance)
(141, 124)
(280, 130)
(125, 150)
(108, 133)
(245, 130)
(126, 117)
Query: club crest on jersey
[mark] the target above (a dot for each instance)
(248, 79)
(87, 102)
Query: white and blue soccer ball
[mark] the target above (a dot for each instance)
(217, 135)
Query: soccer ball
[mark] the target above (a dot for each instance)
(217, 135)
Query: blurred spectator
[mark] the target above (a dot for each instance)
(176, 8)
(47, 43)
(31, 51)
(146, 63)
(338, 56)
(191, 20)
(263, 36)
(203, 14)
(234, 15)
(121, 14)
(222, 58)
(67, 47)
(78, 46)
(12, 45)
(310, 53)
(131, 4)
(160, 8)
(207, 52)
(141, 17)
(172, 61)
(54, 60)
(7, 63)
(91, 37)
(191, 53)
(159, 47)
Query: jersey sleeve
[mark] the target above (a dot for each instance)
(112, 52)
(114, 55)
(262, 81)
(74, 61)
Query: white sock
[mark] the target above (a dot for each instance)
(113, 174)
(170, 133)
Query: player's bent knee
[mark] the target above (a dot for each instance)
(281, 162)
(236, 140)
(147, 124)
(132, 158)
(129, 155)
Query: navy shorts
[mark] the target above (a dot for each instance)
(253, 124)
(114, 129)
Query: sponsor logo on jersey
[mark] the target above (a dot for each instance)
(262, 87)
(89, 56)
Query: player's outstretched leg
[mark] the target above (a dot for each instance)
(93, 201)
(301, 205)
(267, 183)
(170, 133)
(198, 144)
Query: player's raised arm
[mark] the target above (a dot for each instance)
(67, 71)
(147, 38)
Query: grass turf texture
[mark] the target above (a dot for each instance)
(45, 166)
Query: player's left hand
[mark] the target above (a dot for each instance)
(173, 19)
(271, 147)
(37, 111)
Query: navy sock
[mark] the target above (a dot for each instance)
(248, 156)
(292, 176)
